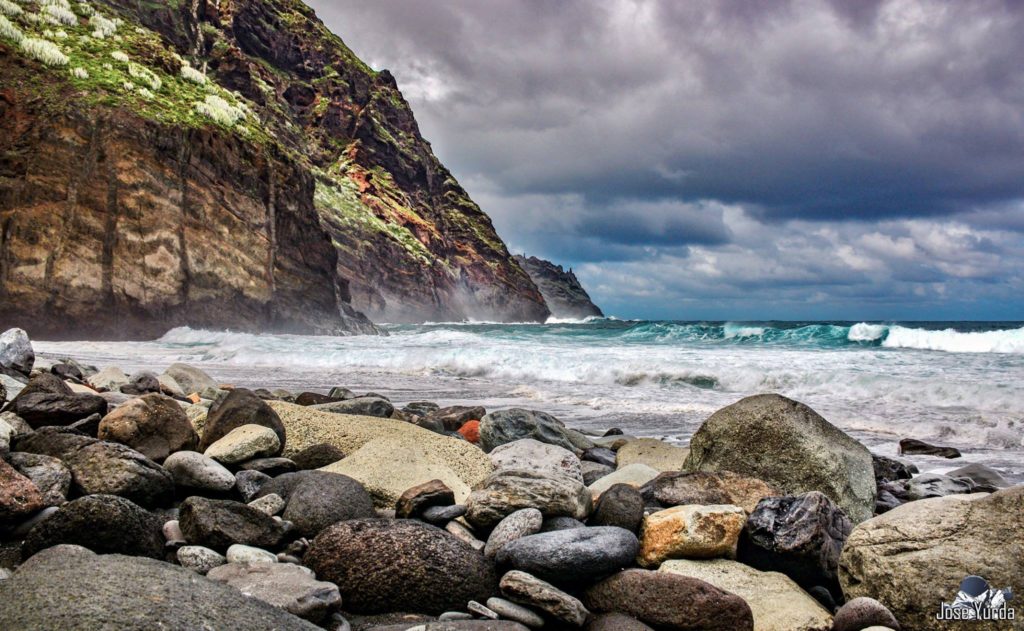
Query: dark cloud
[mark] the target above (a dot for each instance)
(629, 132)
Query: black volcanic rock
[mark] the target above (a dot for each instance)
(562, 291)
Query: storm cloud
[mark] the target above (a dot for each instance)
(732, 159)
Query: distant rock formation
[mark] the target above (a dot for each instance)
(562, 291)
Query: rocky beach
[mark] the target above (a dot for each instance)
(165, 499)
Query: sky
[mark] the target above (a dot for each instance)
(730, 159)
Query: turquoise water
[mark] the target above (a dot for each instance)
(955, 383)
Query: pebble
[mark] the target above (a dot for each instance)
(249, 483)
(27, 525)
(440, 515)
(480, 610)
(450, 616)
(244, 443)
(199, 558)
(511, 611)
(465, 534)
(271, 504)
(238, 553)
(194, 470)
(172, 532)
(519, 524)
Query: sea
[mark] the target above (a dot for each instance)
(957, 384)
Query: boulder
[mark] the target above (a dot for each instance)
(421, 408)
(11, 387)
(505, 426)
(798, 535)
(691, 532)
(912, 446)
(325, 498)
(240, 407)
(413, 501)
(936, 485)
(980, 475)
(861, 613)
(529, 590)
(289, 587)
(634, 475)
(68, 372)
(571, 557)
(19, 497)
(50, 475)
(507, 491)
(891, 469)
(600, 455)
(47, 400)
(190, 379)
(654, 453)
(193, 470)
(385, 565)
(86, 592)
(218, 524)
(791, 447)
(110, 378)
(777, 603)
(317, 456)
(106, 524)
(142, 382)
(199, 559)
(519, 524)
(154, 425)
(670, 601)
(422, 452)
(101, 467)
(170, 387)
(706, 487)
(454, 417)
(244, 443)
(16, 354)
(594, 471)
(622, 506)
(373, 466)
(912, 558)
(532, 455)
(359, 406)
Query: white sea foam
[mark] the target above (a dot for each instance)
(864, 332)
(1004, 341)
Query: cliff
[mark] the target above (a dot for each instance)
(562, 291)
(224, 164)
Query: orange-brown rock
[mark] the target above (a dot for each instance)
(690, 532)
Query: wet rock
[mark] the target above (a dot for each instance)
(517, 525)
(289, 587)
(199, 559)
(55, 590)
(326, 498)
(593, 471)
(622, 506)
(931, 545)
(886, 501)
(67, 372)
(670, 601)
(190, 379)
(390, 565)
(417, 499)
(912, 446)
(777, 603)
(691, 531)
(798, 535)
(142, 382)
(19, 497)
(218, 524)
(789, 446)
(654, 453)
(360, 406)
(981, 476)
(193, 470)
(16, 354)
(316, 456)
(860, 613)
(244, 443)
(454, 417)
(505, 426)
(154, 425)
(47, 400)
(890, 469)
(50, 475)
(528, 454)
(507, 491)
(240, 407)
(936, 485)
(106, 524)
(600, 455)
(571, 557)
(707, 487)
(529, 590)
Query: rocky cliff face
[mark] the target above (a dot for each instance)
(224, 164)
(562, 291)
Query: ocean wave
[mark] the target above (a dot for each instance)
(953, 341)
